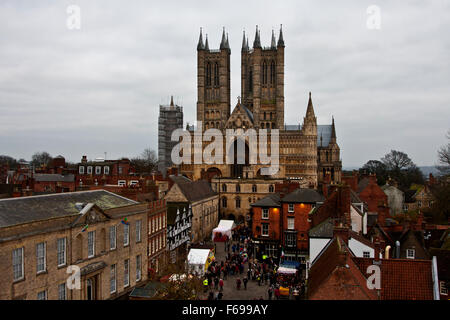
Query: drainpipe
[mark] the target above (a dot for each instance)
(397, 249)
(434, 272)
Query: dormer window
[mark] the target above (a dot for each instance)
(81, 170)
(410, 253)
(106, 170)
(98, 170)
(89, 170)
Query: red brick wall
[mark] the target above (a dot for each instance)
(274, 223)
(301, 223)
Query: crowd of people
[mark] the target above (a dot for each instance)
(238, 254)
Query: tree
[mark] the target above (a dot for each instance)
(41, 159)
(376, 167)
(396, 161)
(444, 158)
(10, 161)
(146, 162)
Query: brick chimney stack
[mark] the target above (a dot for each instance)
(84, 159)
(342, 232)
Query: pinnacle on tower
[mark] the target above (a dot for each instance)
(244, 44)
(310, 109)
(200, 45)
(333, 130)
(206, 43)
(227, 44)
(257, 42)
(223, 43)
(280, 39)
(273, 44)
(171, 101)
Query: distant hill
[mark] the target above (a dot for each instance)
(426, 170)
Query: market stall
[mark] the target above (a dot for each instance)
(223, 231)
(199, 260)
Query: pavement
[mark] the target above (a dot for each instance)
(230, 292)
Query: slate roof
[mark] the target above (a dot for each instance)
(14, 211)
(402, 279)
(50, 177)
(196, 190)
(303, 195)
(323, 130)
(322, 230)
(272, 200)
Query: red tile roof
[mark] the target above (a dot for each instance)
(402, 279)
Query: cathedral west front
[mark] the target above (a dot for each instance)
(308, 152)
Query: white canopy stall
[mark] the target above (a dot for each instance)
(198, 261)
(223, 230)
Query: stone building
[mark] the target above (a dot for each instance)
(203, 202)
(396, 198)
(41, 237)
(307, 151)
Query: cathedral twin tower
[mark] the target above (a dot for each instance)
(262, 83)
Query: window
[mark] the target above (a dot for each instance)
(366, 254)
(89, 170)
(164, 221)
(133, 182)
(443, 288)
(238, 188)
(106, 170)
(121, 183)
(112, 237)
(238, 202)
(61, 247)
(81, 170)
(265, 229)
(265, 213)
(120, 169)
(254, 189)
(224, 188)
(410, 253)
(271, 188)
(290, 223)
(138, 230)
(98, 170)
(290, 207)
(153, 225)
(224, 202)
(290, 239)
(138, 268)
(159, 223)
(42, 295)
(126, 276)
(112, 282)
(17, 263)
(40, 257)
(62, 291)
(126, 235)
(91, 244)
(153, 245)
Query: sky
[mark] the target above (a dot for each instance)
(97, 89)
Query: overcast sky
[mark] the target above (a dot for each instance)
(98, 89)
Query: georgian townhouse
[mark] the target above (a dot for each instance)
(46, 239)
(157, 236)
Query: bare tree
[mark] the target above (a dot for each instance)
(146, 162)
(397, 160)
(41, 158)
(444, 157)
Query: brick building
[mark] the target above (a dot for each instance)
(157, 236)
(283, 220)
(101, 233)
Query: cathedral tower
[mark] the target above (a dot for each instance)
(213, 83)
(262, 81)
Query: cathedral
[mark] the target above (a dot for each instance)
(308, 152)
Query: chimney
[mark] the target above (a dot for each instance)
(342, 232)
(84, 159)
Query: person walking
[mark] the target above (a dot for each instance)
(245, 280)
(205, 285)
(221, 285)
(270, 291)
(277, 293)
(258, 278)
(216, 282)
(219, 296)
